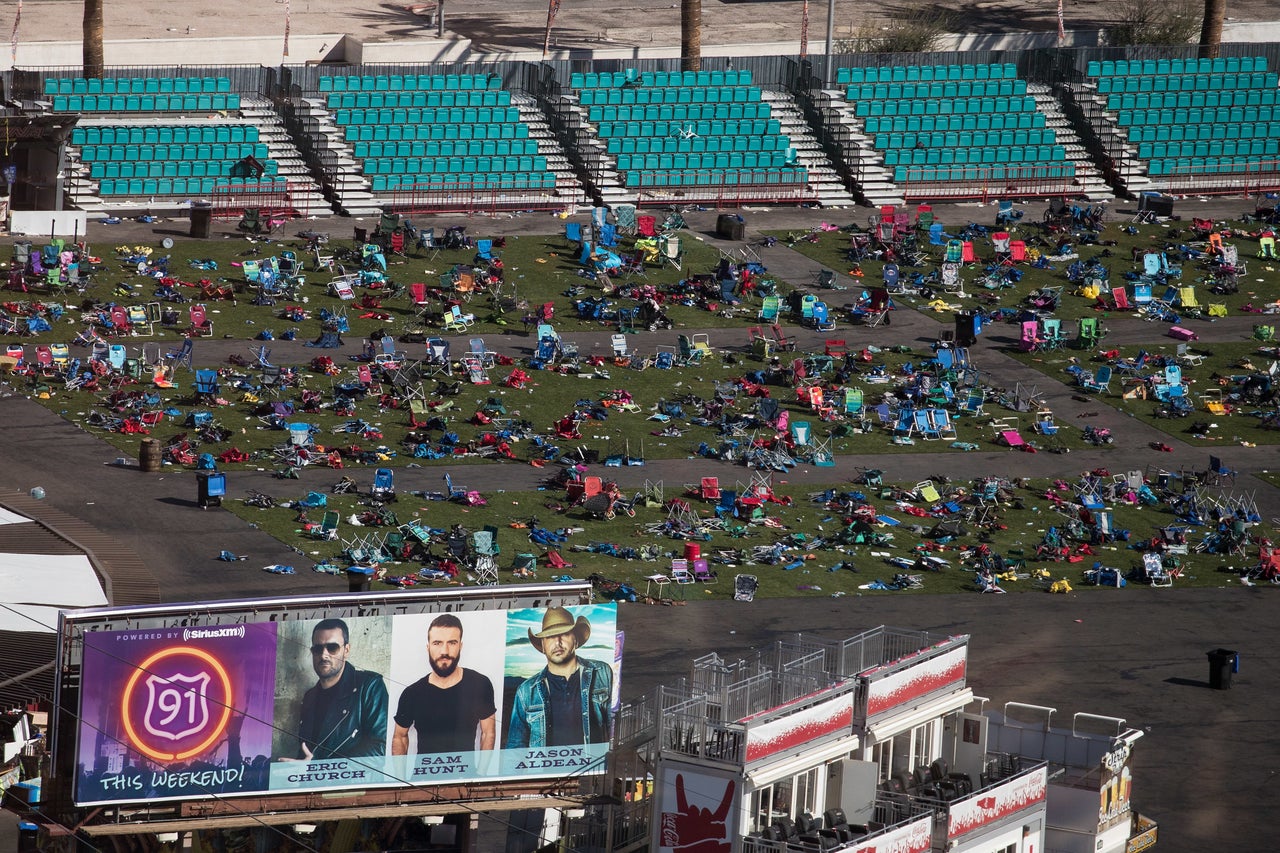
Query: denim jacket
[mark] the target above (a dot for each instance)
(528, 726)
(356, 724)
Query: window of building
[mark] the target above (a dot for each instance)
(806, 792)
(786, 798)
(923, 740)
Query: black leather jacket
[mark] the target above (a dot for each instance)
(354, 725)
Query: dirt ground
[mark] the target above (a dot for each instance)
(506, 25)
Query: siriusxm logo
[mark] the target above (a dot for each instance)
(190, 634)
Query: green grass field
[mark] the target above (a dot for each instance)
(807, 530)
(1114, 249)
(538, 270)
(1220, 369)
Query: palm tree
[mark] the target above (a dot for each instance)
(690, 35)
(1211, 28)
(92, 38)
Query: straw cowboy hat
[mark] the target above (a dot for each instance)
(557, 621)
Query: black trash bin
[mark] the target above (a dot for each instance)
(201, 219)
(730, 226)
(1222, 662)
(28, 835)
(359, 578)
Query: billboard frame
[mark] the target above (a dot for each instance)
(245, 808)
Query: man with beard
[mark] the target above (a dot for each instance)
(345, 714)
(569, 701)
(451, 708)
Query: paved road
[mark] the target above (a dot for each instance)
(500, 25)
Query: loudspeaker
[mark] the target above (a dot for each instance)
(1157, 205)
(730, 227)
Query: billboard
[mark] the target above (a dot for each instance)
(323, 704)
(698, 808)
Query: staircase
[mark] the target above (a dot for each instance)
(862, 163)
(587, 155)
(329, 157)
(1107, 142)
(568, 186)
(1091, 182)
(306, 195)
(824, 180)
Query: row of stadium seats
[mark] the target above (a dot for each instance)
(445, 131)
(968, 121)
(452, 165)
(144, 103)
(171, 186)
(505, 181)
(188, 151)
(136, 85)
(1010, 155)
(1189, 83)
(1193, 132)
(1170, 100)
(974, 174)
(926, 73)
(706, 160)
(1221, 65)
(949, 89)
(397, 82)
(687, 128)
(677, 112)
(1216, 115)
(675, 144)
(660, 79)
(682, 95)
(1210, 166)
(399, 132)
(162, 134)
(746, 127)
(967, 138)
(727, 177)
(1216, 148)
(918, 107)
(445, 148)
(430, 115)
(377, 100)
(172, 169)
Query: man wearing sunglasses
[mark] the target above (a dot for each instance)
(345, 714)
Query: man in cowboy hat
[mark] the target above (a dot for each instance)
(568, 702)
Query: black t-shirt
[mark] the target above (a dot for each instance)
(325, 698)
(564, 709)
(446, 719)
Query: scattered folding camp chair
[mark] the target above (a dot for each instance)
(343, 287)
(383, 489)
(181, 355)
(201, 325)
(1099, 382)
(1220, 471)
(744, 587)
(673, 251)
(457, 321)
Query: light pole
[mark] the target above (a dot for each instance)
(831, 33)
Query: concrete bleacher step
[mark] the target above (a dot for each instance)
(873, 182)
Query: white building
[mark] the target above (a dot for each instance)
(873, 744)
